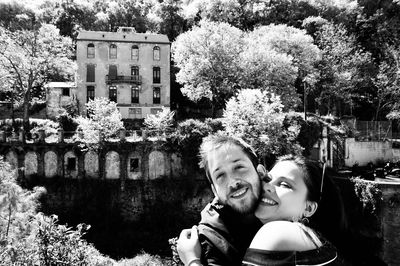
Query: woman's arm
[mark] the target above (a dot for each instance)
(282, 236)
(189, 248)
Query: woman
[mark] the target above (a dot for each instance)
(299, 202)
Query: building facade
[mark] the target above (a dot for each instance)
(60, 95)
(131, 69)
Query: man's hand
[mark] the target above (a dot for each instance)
(188, 247)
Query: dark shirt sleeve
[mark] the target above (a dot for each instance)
(212, 256)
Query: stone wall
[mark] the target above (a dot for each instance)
(130, 160)
(134, 195)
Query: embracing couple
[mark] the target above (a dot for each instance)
(291, 215)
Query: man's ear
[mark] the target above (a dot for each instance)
(261, 171)
(311, 208)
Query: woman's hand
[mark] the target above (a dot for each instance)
(188, 247)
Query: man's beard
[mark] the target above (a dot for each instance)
(250, 208)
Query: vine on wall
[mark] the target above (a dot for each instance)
(368, 193)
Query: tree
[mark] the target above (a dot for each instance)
(344, 68)
(103, 122)
(258, 118)
(387, 83)
(30, 57)
(275, 57)
(208, 57)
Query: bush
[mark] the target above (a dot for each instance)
(31, 238)
(310, 130)
(145, 259)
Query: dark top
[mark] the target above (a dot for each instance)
(324, 255)
(225, 235)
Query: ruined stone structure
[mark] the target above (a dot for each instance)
(133, 161)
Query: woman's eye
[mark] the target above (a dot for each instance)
(285, 185)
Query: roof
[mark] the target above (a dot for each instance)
(122, 37)
(60, 85)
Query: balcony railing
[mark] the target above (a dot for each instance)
(123, 79)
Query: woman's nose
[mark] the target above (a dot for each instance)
(268, 187)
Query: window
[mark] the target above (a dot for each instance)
(112, 93)
(71, 164)
(135, 112)
(90, 73)
(90, 50)
(156, 53)
(156, 74)
(135, 52)
(135, 94)
(135, 73)
(65, 91)
(112, 72)
(90, 93)
(113, 51)
(155, 111)
(134, 165)
(156, 95)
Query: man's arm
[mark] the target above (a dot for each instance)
(211, 255)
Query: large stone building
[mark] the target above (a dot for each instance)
(132, 69)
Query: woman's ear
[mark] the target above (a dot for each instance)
(311, 208)
(262, 172)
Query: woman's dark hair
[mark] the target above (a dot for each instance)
(329, 218)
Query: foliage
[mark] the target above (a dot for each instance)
(368, 193)
(189, 135)
(30, 57)
(30, 238)
(103, 121)
(387, 83)
(160, 121)
(50, 127)
(61, 245)
(17, 211)
(270, 58)
(342, 67)
(208, 61)
(145, 259)
(310, 130)
(67, 122)
(257, 117)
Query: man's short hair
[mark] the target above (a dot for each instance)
(213, 142)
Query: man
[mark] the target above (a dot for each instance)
(228, 224)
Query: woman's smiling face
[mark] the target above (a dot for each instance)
(284, 197)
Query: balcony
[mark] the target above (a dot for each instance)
(123, 79)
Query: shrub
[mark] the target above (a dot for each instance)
(258, 117)
(29, 238)
(104, 120)
(160, 121)
(145, 259)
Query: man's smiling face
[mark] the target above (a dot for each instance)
(235, 179)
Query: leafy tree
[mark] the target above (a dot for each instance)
(343, 68)
(387, 83)
(166, 17)
(30, 57)
(207, 57)
(103, 122)
(17, 210)
(258, 117)
(275, 57)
